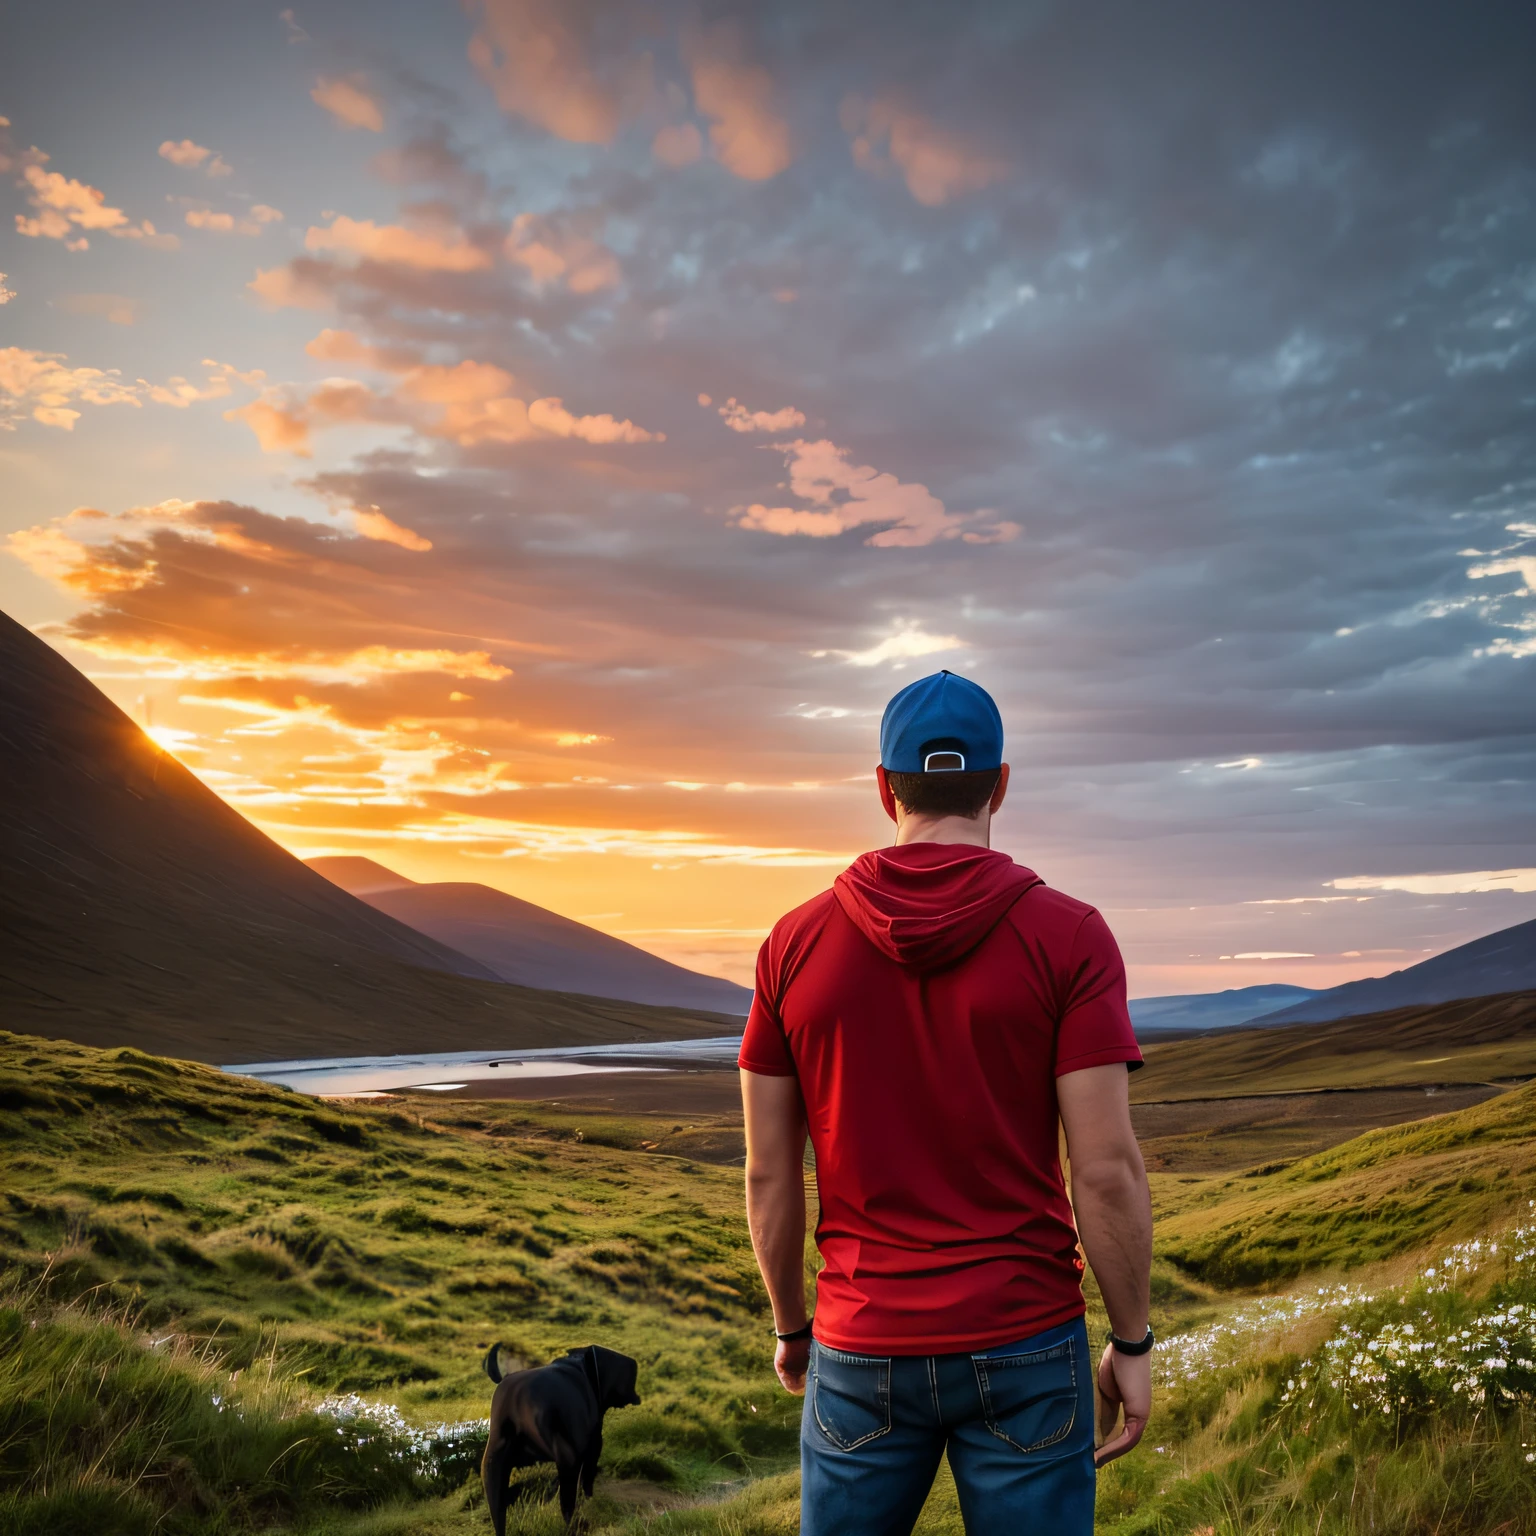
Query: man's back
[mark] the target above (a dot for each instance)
(926, 1006)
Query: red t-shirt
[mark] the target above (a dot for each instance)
(927, 1004)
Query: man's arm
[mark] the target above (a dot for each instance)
(775, 1119)
(1114, 1222)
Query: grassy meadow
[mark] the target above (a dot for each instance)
(228, 1308)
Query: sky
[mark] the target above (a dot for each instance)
(529, 441)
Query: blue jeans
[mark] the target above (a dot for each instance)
(1017, 1422)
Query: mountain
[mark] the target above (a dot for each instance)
(529, 945)
(137, 908)
(1212, 1010)
(1470, 1040)
(1498, 962)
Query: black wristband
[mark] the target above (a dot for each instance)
(1130, 1347)
(802, 1332)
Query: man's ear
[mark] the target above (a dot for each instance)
(1000, 793)
(887, 794)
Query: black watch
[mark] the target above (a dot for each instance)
(1130, 1347)
(802, 1332)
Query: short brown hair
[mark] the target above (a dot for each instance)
(944, 794)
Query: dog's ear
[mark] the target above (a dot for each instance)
(617, 1375)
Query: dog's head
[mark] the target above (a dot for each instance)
(616, 1376)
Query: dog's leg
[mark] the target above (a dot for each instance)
(495, 1475)
(590, 1461)
(568, 1466)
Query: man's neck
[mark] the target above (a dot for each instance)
(944, 829)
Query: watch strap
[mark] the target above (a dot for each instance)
(1133, 1346)
(794, 1337)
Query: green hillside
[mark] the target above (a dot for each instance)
(1476, 1040)
(197, 1267)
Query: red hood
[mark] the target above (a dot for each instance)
(927, 904)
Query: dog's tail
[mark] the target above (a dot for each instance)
(501, 1361)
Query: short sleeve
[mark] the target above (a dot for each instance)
(764, 1047)
(1095, 1027)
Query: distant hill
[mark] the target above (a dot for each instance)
(1471, 1040)
(1498, 962)
(136, 907)
(529, 945)
(1211, 1010)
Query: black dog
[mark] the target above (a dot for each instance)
(554, 1413)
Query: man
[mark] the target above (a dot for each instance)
(928, 1021)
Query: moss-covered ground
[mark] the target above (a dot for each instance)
(194, 1262)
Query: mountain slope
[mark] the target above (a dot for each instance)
(1212, 1010)
(1498, 962)
(136, 907)
(529, 945)
(1472, 1040)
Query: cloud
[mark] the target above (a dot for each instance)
(678, 144)
(373, 524)
(907, 644)
(846, 495)
(431, 249)
(538, 57)
(552, 255)
(181, 393)
(40, 384)
(294, 286)
(349, 101)
(550, 415)
(117, 308)
(295, 33)
(1443, 885)
(6, 294)
(189, 156)
(65, 207)
(468, 403)
(747, 134)
(226, 223)
(279, 427)
(739, 419)
(936, 164)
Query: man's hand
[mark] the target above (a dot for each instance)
(1125, 1381)
(791, 1360)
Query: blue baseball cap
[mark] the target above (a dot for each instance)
(939, 719)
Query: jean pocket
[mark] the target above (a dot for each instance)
(850, 1396)
(1030, 1400)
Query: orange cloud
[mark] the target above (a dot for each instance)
(579, 264)
(117, 308)
(40, 384)
(65, 207)
(739, 419)
(747, 135)
(227, 223)
(678, 144)
(350, 102)
(189, 156)
(845, 496)
(937, 165)
(279, 428)
(427, 250)
(293, 286)
(468, 402)
(373, 524)
(221, 378)
(550, 415)
(536, 56)
(7, 294)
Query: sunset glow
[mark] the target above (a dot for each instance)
(544, 475)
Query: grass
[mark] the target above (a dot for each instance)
(1475, 1040)
(1387, 1192)
(238, 1242)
